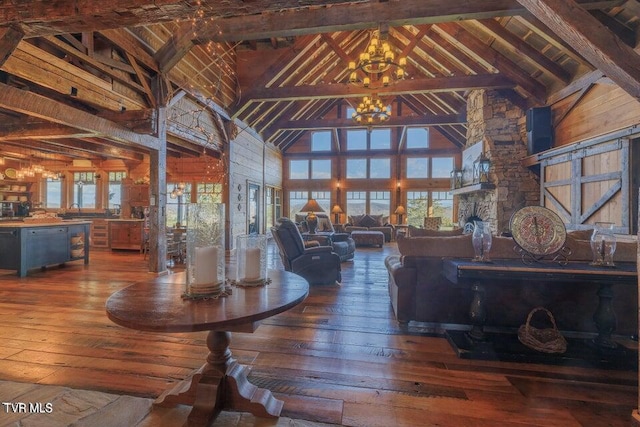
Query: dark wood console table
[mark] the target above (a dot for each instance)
(476, 275)
(221, 383)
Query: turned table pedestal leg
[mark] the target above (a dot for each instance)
(477, 313)
(220, 384)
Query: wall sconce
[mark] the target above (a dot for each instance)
(338, 184)
(456, 179)
(481, 170)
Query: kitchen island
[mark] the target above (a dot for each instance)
(26, 245)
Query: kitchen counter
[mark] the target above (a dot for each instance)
(27, 245)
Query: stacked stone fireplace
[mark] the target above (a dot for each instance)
(501, 126)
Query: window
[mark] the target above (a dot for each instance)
(442, 205)
(362, 139)
(176, 207)
(273, 206)
(321, 169)
(298, 169)
(297, 199)
(441, 167)
(417, 138)
(209, 192)
(356, 139)
(417, 207)
(424, 203)
(380, 203)
(373, 202)
(323, 198)
(356, 203)
(321, 141)
(356, 168)
(115, 189)
(380, 139)
(418, 167)
(380, 168)
(53, 193)
(84, 194)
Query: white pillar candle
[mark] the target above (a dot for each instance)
(252, 264)
(206, 265)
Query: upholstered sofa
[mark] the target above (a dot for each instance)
(370, 222)
(419, 292)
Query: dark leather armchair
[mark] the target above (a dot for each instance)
(318, 265)
(342, 243)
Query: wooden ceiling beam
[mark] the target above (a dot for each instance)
(525, 50)
(39, 131)
(505, 66)
(9, 40)
(436, 84)
(594, 41)
(38, 106)
(355, 16)
(394, 121)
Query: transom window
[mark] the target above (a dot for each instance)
(417, 138)
(418, 167)
(441, 167)
(362, 139)
(374, 168)
(305, 169)
(321, 140)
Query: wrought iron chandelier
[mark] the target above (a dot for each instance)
(371, 111)
(378, 61)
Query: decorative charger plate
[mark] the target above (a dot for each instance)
(538, 230)
(10, 173)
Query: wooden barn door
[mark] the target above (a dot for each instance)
(591, 182)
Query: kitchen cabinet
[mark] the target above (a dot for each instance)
(13, 194)
(99, 233)
(126, 234)
(27, 246)
(135, 194)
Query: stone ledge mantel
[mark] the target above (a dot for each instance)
(483, 186)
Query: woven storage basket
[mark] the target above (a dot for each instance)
(546, 340)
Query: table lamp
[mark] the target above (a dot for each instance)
(336, 210)
(400, 211)
(311, 207)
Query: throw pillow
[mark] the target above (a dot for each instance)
(355, 219)
(378, 220)
(432, 223)
(368, 221)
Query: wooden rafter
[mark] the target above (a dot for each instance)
(595, 42)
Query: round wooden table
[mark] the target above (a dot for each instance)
(221, 383)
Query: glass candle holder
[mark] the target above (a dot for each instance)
(603, 244)
(251, 259)
(205, 249)
(481, 240)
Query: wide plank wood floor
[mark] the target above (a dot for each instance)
(338, 358)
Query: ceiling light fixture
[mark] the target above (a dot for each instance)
(375, 61)
(371, 111)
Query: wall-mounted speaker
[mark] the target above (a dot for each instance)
(539, 129)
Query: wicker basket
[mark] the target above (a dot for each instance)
(546, 340)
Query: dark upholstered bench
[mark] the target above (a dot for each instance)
(368, 238)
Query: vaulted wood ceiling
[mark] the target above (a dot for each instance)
(82, 79)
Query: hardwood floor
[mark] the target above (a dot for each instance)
(337, 358)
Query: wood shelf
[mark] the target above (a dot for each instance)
(483, 186)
